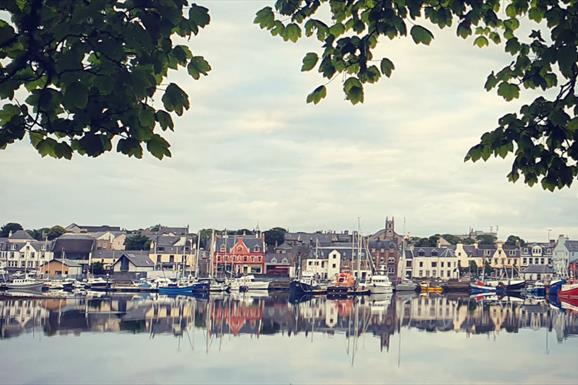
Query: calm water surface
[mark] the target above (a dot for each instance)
(270, 339)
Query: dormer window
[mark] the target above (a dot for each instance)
(434, 253)
(239, 249)
(222, 248)
(256, 249)
(420, 253)
(273, 260)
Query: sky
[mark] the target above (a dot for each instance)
(250, 152)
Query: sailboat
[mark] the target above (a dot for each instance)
(403, 284)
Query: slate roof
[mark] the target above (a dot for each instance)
(538, 269)
(572, 246)
(388, 244)
(250, 241)
(95, 229)
(21, 234)
(137, 259)
(77, 246)
(432, 252)
(67, 262)
(101, 253)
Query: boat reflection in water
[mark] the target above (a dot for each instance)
(244, 313)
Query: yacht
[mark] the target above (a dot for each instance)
(26, 283)
(380, 284)
(406, 285)
(248, 282)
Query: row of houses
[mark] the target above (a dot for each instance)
(324, 253)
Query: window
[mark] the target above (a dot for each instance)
(273, 260)
(239, 249)
(421, 264)
(512, 253)
(487, 252)
(334, 266)
(433, 273)
(442, 273)
(542, 261)
(441, 264)
(158, 258)
(427, 273)
(391, 260)
(309, 263)
(434, 264)
(421, 253)
(171, 259)
(256, 248)
(434, 253)
(390, 270)
(284, 260)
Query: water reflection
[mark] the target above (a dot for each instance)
(381, 316)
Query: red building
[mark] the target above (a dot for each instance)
(239, 254)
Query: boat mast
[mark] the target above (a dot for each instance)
(358, 248)
(198, 251)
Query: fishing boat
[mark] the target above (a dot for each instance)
(480, 286)
(26, 283)
(380, 284)
(307, 284)
(508, 285)
(248, 282)
(344, 285)
(569, 290)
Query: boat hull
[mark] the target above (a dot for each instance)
(406, 286)
(25, 286)
(569, 291)
(339, 291)
(299, 288)
(480, 287)
(379, 289)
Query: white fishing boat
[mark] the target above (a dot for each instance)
(248, 282)
(26, 283)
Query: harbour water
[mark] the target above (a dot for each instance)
(259, 338)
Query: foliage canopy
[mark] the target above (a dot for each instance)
(542, 135)
(81, 76)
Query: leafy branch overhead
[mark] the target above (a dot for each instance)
(541, 136)
(81, 76)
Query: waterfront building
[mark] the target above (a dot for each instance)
(506, 256)
(75, 246)
(388, 233)
(109, 240)
(537, 253)
(74, 228)
(109, 257)
(21, 252)
(280, 259)
(133, 263)
(173, 252)
(239, 254)
(537, 273)
(563, 254)
(57, 268)
(433, 262)
(385, 255)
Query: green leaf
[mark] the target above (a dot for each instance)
(387, 67)
(75, 95)
(175, 99)
(481, 41)
(573, 125)
(353, 90)
(508, 91)
(165, 120)
(130, 147)
(158, 147)
(265, 18)
(491, 82)
(309, 61)
(47, 147)
(292, 32)
(199, 15)
(421, 35)
(197, 66)
(337, 29)
(317, 94)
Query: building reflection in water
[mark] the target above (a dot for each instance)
(256, 315)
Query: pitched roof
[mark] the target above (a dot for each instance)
(444, 252)
(21, 234)
(138, 260)
(94, 229)
(572, 246)
(101, 253)
(249, 240)
(538, 269)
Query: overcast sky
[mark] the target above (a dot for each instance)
(251, 151)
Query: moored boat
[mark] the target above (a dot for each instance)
(537, 289)
(406, 285)
(456, 285)
(555, 285)
(25, 283)
(306, 285)
(480, 286)
(344, 285)
(248, 282)
(98, 284)
(380, 284)
(569, 290)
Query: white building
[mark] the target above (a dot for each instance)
(433, 262)
(326, 268)
(564, 252)
(22, 252)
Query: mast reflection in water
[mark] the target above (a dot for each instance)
(278, 339)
